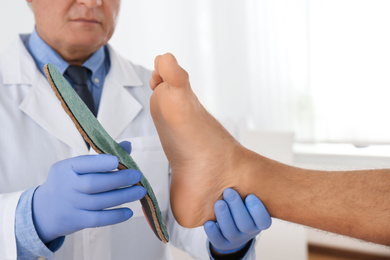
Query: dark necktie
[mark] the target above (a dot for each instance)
(79, 75)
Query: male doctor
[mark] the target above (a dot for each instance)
(51, 189)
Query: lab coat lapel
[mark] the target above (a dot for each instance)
(118, 107)
(41, 104)
(45, 109)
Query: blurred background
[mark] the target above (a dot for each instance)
(305, 82)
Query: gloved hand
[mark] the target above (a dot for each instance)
(237, 223)
(77, 191)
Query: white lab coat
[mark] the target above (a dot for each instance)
(35, 132)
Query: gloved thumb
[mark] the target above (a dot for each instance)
(126, 145)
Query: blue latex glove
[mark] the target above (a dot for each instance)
(77, 191)
(237, 223)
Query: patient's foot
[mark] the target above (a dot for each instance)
(202, 154)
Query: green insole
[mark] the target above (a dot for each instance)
(94, 133)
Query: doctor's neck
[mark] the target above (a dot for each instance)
(73, 53)
(76, 56)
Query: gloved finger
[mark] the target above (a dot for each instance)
(126, 145)
(214, 234)
(92, 163)
(109, 199)
(258, 212)
(241, 216)
(101, 182)
(225, 220)
(100, 218)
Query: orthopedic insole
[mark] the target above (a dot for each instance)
(93, 133)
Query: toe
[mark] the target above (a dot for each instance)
(170, 71)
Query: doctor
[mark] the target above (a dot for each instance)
(52, 194)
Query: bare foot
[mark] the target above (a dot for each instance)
(200, 151)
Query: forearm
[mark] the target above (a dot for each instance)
(352, 203)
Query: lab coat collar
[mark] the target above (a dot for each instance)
(117, 109)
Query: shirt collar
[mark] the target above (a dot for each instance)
(43, 54)
(95, 61)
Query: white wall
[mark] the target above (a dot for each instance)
(206, 40)
(15, 17)
(148, 28)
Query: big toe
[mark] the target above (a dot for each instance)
(170, 71)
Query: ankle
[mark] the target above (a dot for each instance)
(253, 173)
